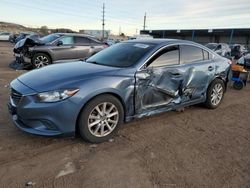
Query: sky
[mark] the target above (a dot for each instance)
(127, 15)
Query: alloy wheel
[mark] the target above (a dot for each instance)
(41, 61)
(103, 119)
(217, 94)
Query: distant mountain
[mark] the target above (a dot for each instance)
(16, 28)
(11, 27)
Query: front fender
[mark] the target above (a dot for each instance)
(121, 87)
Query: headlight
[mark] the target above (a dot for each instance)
(55, 96)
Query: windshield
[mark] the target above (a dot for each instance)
(121, 55)
(49, 38)
(211, 46)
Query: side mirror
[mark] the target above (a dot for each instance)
(59, 43)
(142, 75)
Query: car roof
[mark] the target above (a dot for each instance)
(75, 34)
(162, 42)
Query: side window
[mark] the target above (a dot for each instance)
(205, 55)
(168, 56)
(94, 42)
(82, 40)
(67, 40)
(190, 54)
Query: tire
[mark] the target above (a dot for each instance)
(238, 85)
(40, 60)
(99, 131)
(215, 94)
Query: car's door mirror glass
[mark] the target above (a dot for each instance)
(143, 75)
(59, 43)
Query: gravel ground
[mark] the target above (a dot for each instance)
(194, 148)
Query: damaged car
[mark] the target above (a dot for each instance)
(128, 80)
(37, 53)
(238, 51)
(222, 49)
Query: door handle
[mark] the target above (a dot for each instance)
(210, 68)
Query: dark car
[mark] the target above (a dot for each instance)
(12, 37)
(23, 36)
(56, 47)
(222, 49)
(125, 81)
(238, 50)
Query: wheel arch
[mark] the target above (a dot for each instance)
(43, 52)
(225, 80)
(114, 94)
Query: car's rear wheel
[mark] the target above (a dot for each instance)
(100, 118)
(40, 60)
(215, 94)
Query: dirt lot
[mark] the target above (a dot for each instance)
(194, 148)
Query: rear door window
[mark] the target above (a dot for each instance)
(190, 54)
(82, 41)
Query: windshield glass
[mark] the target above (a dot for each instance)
(121, 55)
(211, 46)
(49, 38)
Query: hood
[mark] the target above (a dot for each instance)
(27, 42)
(61, 75)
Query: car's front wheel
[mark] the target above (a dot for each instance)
(215, 94)
(40, 60)
(100, 118)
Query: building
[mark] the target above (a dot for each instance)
(203, 36)
(96, 33)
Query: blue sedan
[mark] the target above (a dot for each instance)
(125, 81)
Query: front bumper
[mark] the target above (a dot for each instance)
(21, 59)
(46, 119)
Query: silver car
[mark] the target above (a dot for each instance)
(53, 48)
(222, 49)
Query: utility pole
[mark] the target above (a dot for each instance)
(103, 20)
(144, 25)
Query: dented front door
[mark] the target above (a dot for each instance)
(158, 88)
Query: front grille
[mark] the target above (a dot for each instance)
(15, 96)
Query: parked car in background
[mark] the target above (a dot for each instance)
(13, 37)
(222, 49)
(110, 42)
(4, 36)
(57, 47)
(238, 50)
(245, 61)
(128, 80)
(141, 37)
(24, 35)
